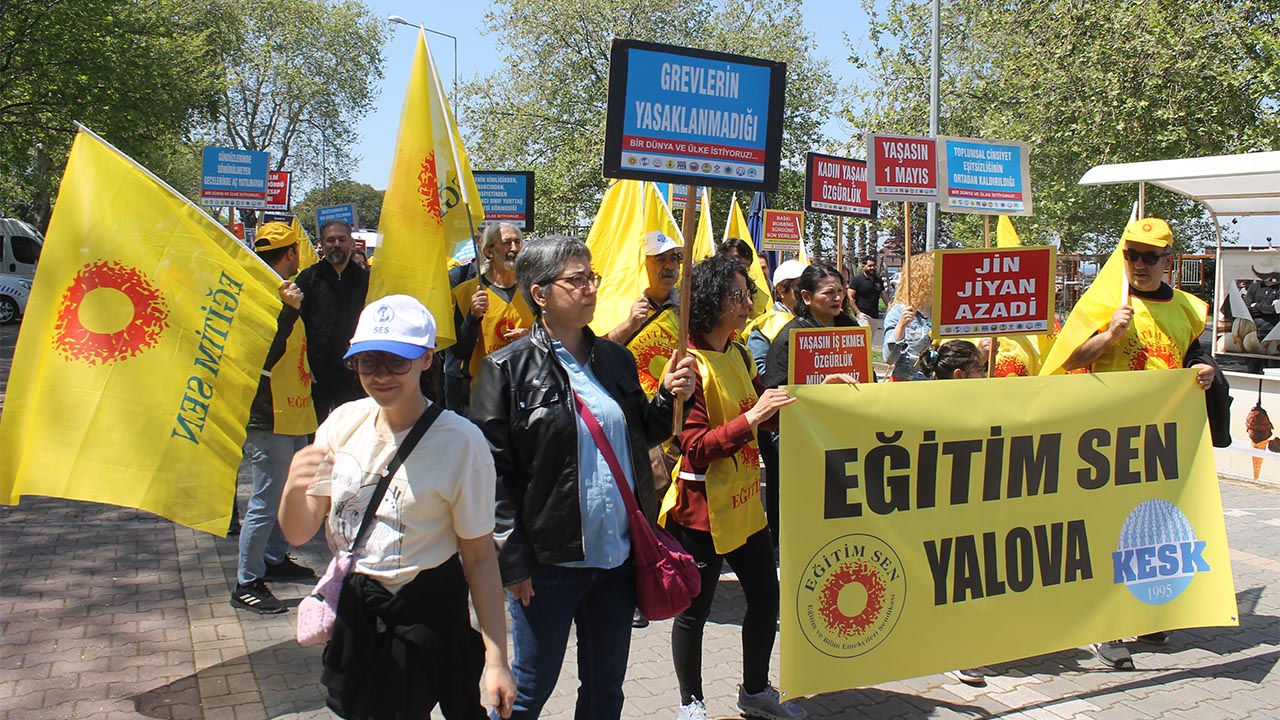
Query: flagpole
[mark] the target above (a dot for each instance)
(840, 244)
(906, 249)
(451, 126)
(166, 186)
(688, 229)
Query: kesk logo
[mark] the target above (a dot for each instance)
(1158, 553)
(851, 595)
(110, 312)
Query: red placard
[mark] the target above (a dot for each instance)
(996, 291)
(278, 182)
(816, 353)
(837, 186)
(902, 168)
(783, 230)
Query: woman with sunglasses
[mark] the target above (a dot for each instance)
(714, 507)
(403, 641)
(563, 531)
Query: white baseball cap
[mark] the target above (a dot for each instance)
(655, 243)
(787, 270)
(397, 324)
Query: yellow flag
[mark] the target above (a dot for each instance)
(141, 350)
(1091, 313)
(413, 251)
(703, 244)
(736, 227)
(629, 210)
(1006, 236)
(306, 249)
(459, 198)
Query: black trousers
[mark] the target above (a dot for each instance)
(757, 573)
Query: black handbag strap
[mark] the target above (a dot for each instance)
(410, 441)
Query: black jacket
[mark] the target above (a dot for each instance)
(331, 306)
(522, 401)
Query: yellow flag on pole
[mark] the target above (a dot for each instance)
(1006, 236)
(306, 249)
(704, 246)
(1091, 314)
(141, 350)
(629, 210)
(413, 251)
(459, 198)
(736, 227)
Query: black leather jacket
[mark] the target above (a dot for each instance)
(522, 401)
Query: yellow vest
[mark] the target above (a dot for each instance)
(502, 317)
(291, 403)
(733, 484)
(769, 324)
(652, 347)
(1158, 337)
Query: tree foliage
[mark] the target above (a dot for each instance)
(367, 199)
(299, 76)
(1084, 82)
(546, 110)
(139, 73)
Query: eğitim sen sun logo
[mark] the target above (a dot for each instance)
(851, 595)
(1158, 553)
(110, 312)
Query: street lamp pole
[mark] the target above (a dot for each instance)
(397, 20)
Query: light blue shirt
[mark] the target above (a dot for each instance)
(902, 356)
(606, 531)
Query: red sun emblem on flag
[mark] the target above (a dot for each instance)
(86, 329)
(428, 188)
(869, 584)
(304, 374)
(651, 360)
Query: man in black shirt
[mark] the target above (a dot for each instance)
(333, 294)
(867, 289)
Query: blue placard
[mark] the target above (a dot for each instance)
(984, 176)
(507, 197)
(235, 178)
(346, 213)
(682, 115)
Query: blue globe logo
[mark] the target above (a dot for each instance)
(1158, 554)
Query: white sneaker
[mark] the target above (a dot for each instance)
(1113, 653)
(973, 677)
(767, 704)
(695, 710)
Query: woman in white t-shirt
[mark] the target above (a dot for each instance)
(403, 641)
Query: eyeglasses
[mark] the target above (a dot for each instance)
(581, 280)
(740, 296)
(1149, 257)
(368, 364)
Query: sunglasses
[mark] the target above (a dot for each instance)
(1149, 257)
(367, 364)
(741, 296)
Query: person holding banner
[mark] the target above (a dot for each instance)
(906, 324)
(563, 532)
(276, 431)
(489, 313)
(713, 508)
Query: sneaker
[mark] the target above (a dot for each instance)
(973, 677)
(1155, 638)
(638, 620)
(767, 704)
(695, 710)
(256, 598)
(1113, 653)
(287, 569)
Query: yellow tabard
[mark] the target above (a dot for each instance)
(291, 387)
(1159, 336)
(768, 324)
(1018, 356)
(652, 347)
(501, 318)
(733, 484)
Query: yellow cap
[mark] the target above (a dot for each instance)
(1148, 231)
(273, 236)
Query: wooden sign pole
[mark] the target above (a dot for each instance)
(994, 348)
(906, 250)
(689, 228)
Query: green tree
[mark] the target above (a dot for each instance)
(141, 74)
(1084, 82)
(299, 75)
(546, 110)
(368, 202)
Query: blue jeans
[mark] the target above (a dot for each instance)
(600, 603)
(260, 538)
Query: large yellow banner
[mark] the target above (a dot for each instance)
(930, 526)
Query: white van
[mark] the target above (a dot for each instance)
(20, 246)
(14, 293)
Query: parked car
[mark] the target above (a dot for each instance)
(20, 246)
(14, 293)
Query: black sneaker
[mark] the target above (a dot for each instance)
(256, 598)
(638, 620)
(287, 570)
(1155, 638)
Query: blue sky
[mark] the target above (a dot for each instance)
(828, 20)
